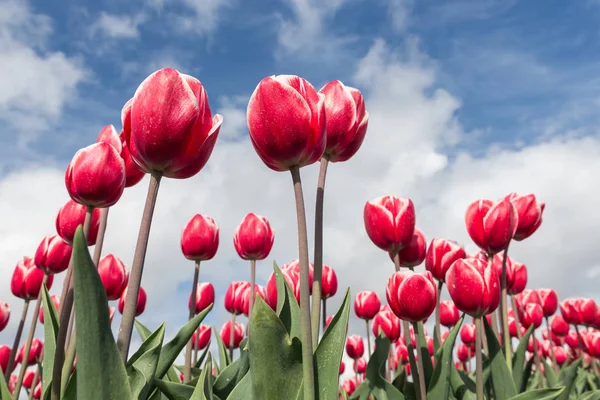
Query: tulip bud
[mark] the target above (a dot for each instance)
(28, 378)
(412, 296)
(238, 334)
(559, 326)
(12, 383)
(532, 314)
(449, 315)
(355, 347)
(346, 120)
(519, 280)
(26, 281)
(497, 263)
(253, 238)
(201, 337)
(491, 225)
(205, 296)
(4, 315)
(529, 213)
(366, 304)
(549, 300)
(168, 126)
(467, 334)
(141, 302)
(342, 367)
(440, 256)
(570, 310)
(96, 176)
(528, 296)
(572, 340)
(389, 324)
(70, 216)
(234, 297)
(53, 255)
(291, 273)
(560, 355)
(349, 385)
(258, 291)
(412, 254)
(55, 301)
(37, 392)
(360, 366)
(390, 222)
(328, 321)
(109, 135)
(286, 121)
(588, 311)
(463, 353)
(329, 283)
(35, 352)
(473, 286)
(111, 313)
(114, 276)
(4, 355)
(200, 238)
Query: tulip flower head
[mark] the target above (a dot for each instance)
(200, 238)
(258, 291)
(390, 222)
(141, 302)
(201, 337)
(4, 355)
(53, 255)
(114, 276)
(238, 334)
(559, 326)
(440, 256)
(329, 282)
(473, 286)
(35, 352)
(491, 225)
(467, 334)
(412, 296)
(355, 347)
(70, 216)
(234, 297)
(253, 238)
(519, 278)
(449, 314)
(27, 279)
(388, 322)
(414, 253)
(4, 315)
(291, 274)
(529, 212)
(205, 296)
(366, 304)
(549, 301)
(55, 301)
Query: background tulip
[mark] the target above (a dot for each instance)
(258, 291)
(291, 273)
(238, 334)
(200, 238)
(27, 279)
(253, 238)
(55, 301)
(360, 366)
(366, 304)
(141, 302)
(4, 315)
(532, 314)
(491, 225)
(449, 314)
(549, 301)
(114, 276)
(4, 354)
(440, 255)
(529, 212)
(286, 121)
(412, 296)
(234, 297)
(467, 334)
(201, 337)
(28, 378)
(205, 296)
(519, 281)
(390, 222)
(53, 255)
(329, 282)
(35, 352)
(389, 324)
(70, 216)
(413, 253)
(559, 326)
(355, 347)
(473, 286)
(133, 173)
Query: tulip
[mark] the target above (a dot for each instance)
(200, 238)
(467, 334)
(560, 354)
(414, 253)
(234, 297)
(114, 276)
(389, 324)
(96, 176)
(366, 305)
(53, 255)
(519, 278)
(350, 385)
(253, 238)
(528, 296)
(259, 291)
(440, 256)
(70, 216)
(529, 212)
(498, 263)
(37, 392)
(330, 284)
(291, 274)
(200, 339)
(449, 314)
(4, 315)
(355, 347)
(342, 368)
(28, 379)
(412, 296)
(228, 337)
(571, 311)
(390, 222)
(35, 353)
(4, 356)
(473, 286)
(588, 311)
(111, 313)
(549, 301)
(12, 383)
(491, 225)
(463, 353)
(27, 279)
(532, 314)
(559, 326)
(55, 301)
(205, 296)
(133, 173)
(360, 366)
(140, 305)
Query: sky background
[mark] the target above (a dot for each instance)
(472, 99)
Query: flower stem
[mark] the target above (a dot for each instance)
(100, 237)
(516, 315)
(538, 364)
(232, 336)
(552, 354)
(187, 371)
(417, 326)
(368, 339)
(478, 358)
(137, 268)
(307, 348)
(318, 259)
(504, 312)
(36, 378)
(324, 314)
(17, 341)
(438, 328)
(252, 290)
(27, 349)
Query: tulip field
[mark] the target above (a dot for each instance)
(498, 337)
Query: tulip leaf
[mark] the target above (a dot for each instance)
(502, 380)
(594, 395)
(243, 390)
(462, 385)
(224, 359)
(567, 378)
(231, 376)
(436, 343)
(275, 357)
(423, 353)
(202, 357)
(101, 373)
(4, 392)
(519, 372)
(439, 383)
(50, 333)
(580, 382)
(174, 391)
(203, 390)
(143, 331)
(141, 367)
(328, 355)
(288, 309)
(540, 394)
(551, 378)
(71, 389)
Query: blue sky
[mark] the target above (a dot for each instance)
(474, 99)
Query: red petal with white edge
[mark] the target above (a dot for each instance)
(318, 137)
(474, 221)
(379, 225)
(340, 111)
(466, 286)
(109, 135)
(499, 224)
(163, 115)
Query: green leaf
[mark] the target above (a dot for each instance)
(4, 392)
(231, 376)
(436, 343)
(580, 382)
(100, 371)
(142, 330)
(174, 391)
(141, 367)
(423, 353)
(504, 386)
(439, 383)
(330, 351)
(224, 359)
(203, 390)
(288, 309)
(243, 390)
(551, 378)
(540, 394)
(567, 378)
(202, 357)
(519, 372)
(527, 375)
(50, 333)
(71, 389)
(594, 395)
(462, 386)
(275, 357)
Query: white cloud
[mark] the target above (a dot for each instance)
(399, 12)
(205, 15)
(117, 26)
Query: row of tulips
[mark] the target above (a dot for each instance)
(169, 131)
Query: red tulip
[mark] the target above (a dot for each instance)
(389, 324)
(111, 313)
(463, 353)
(96, 176)
(528, 296)
(579, 311)
(109, 135)
(560, 355)
(35, 352)
(253, 238)
(588, 310)
(440, 256)
(360, 366)
(202, 336)
(467, 334)
(532, 314)
(234, 297)
(449, 314)
(355, 347)
(286, 121)
(291, 273)
(474, 286)
(390, 222)
(70, 216)
(238, 334)
(414, 253)
(12, 383)
(559, 326)
(26, 281)
(529, 214)
(366, 304)
(114, 276)
(549, 300)
(200, 238)
(53, 255)
(497, 262)
(4, 355)
(349, 385)
(55, 301)
(572, 340)
(328, 321)
(412, 296)
(205, 296)
(491, 225)
(512, 327)
(329, 282)
(168, 126)
(342, 367)
(519, 281)
(28, 378)
(402, 353)
(37, 392)
(141, 302)
(258, 291)
(346, 120)
(4, 315)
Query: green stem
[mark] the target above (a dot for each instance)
(100, 237)
(368, 339)
(516, 316)
(17, 341)
(504, 313)
(417, 326)
(324, 314)
(231, 336)
(307, 348)
(252, 290)
(438, 325)
(552, 354)
(478, 359)
(187, 370)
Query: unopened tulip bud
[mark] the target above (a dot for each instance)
(253, 238)
(238, 334)
(35, 352)
(532, 314)
(449, 314)
(529, 212)
(549, 300)
(26, 281)
(201, 337)
(114, 276)
(141, 302)
(474, 286)
(4, 356)
(55, 301)
(467, 333)
(350, 385)
(588, 310)
(328, 321)
(463, 353)
(402, 353)
(440, 256)
(355, 347)
(570, 310)
(491, 225)
(342, 367)
(70, 216)
(37, 392)
(28, 378)
(412, 296)
(258, 291)
(572, 340)
(291, 274)
(360, 366)
(559, 326)
(389, 324)
(205, 296)
(519, 281)
(329, 282)
(200, 238)
(560, 355)
(390, 222)
(53, 255)
(4, 315)
(109, 135)
(414, 253)
(366, 304)
(234, 297)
